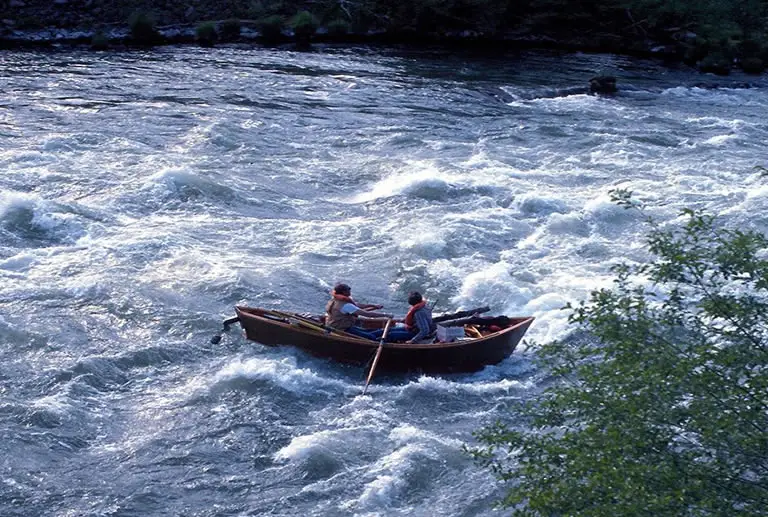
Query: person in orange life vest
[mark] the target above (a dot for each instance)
(341, 312)
(418, 322)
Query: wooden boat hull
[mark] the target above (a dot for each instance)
(460, 356)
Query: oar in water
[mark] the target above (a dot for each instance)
(378, 354)
(227, 322)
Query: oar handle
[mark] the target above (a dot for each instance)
(378, 354)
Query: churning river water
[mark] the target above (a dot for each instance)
(143, 194)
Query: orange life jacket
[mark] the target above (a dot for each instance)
(342, 298)
(410, 316)
(336, 319)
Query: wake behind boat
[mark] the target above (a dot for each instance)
(486, 341)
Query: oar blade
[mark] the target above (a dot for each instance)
(215, 340)
(378, 354)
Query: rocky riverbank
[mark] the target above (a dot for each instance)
(104, 24)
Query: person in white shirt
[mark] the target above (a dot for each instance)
(341, 312)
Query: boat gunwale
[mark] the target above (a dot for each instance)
(242, 310)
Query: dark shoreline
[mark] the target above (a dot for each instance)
(185, 35)
(715, 37)
(119, 39)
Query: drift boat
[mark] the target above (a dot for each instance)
(491, 342)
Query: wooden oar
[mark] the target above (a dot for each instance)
(308, 323)
(296, 319)
(378, 354)
(227, 322)
(460, 314)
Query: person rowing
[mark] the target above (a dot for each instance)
(342, 312)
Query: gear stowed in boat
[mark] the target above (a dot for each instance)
(488, 340)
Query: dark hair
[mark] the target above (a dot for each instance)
(414, 297)
(342, 289)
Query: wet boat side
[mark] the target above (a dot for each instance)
(459, 356)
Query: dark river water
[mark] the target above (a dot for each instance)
(143, 194)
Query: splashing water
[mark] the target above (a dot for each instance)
(145, 193)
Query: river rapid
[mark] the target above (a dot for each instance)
(143, 194)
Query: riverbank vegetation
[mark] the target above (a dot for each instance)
(660, 407)
(712, 33)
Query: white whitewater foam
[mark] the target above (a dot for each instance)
(206, 196)
(532, 203)
(410, 182)
(393, 471)
(381, 491)
(280, 372)
(474, 385)
(19, 263)
(17, 200)
(360, 411)
(568, 224)
(601, 208)
(755, 201)
(715, 122)
(191, 270)
(173, 179)
(408, 434)
(493, 286)
(58, 403)
(736, 97)
(566, 103)
(32, 212)
(391, 476)
(59, 144)
(427, 180)
(428, 242)
(336, 442)
(719, 140)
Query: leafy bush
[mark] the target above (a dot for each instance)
(753, 65)
(99, 41)
(697, 50)
(142, 27)
(205, 34)
(256, 10)
(304, 25)
(338, 27)
(230, 30)
(750, 47)
(271, 27)
(716, 63)
(662, 406)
